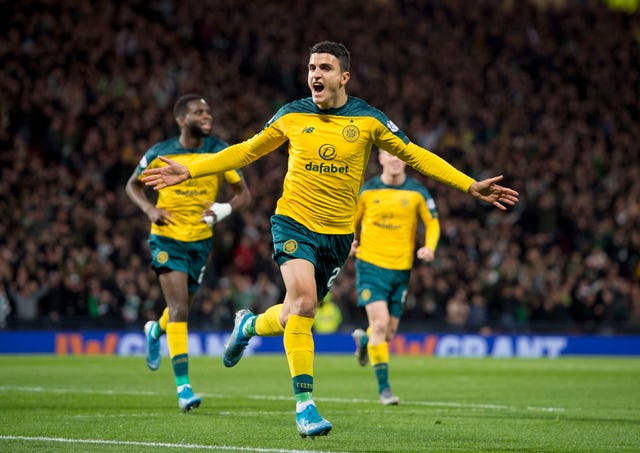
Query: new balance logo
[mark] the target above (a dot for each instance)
(308, 130)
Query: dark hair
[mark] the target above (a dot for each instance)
(337, 49)
(180, 107)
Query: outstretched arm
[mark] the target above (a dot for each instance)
(488, 190)
(231, 158)
(171, 174)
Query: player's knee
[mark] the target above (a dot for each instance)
(304, 306)
(379, 326)
(178, 314)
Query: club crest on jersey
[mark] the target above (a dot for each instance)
(350, 133)
(162, 257)
(290, 246)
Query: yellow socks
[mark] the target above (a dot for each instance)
(268, 323)
(379, 356)
(164, 319)
(177, 338)
(378, 353)
(298, 344)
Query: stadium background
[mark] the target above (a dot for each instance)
(546, 92)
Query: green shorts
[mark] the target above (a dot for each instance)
(375, 283)
(327, 252)
(187, 257)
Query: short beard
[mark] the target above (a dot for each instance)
(196, 131)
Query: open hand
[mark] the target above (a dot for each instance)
(488, 190)
(171, 174)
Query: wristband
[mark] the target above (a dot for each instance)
(221, 210)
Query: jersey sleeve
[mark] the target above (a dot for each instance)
(241, 154)
(429, 164)
(432, 235)
(360, 206)
(148, 158)
(232, 176)
(429, 216)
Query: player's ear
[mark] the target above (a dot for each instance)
(346, 75)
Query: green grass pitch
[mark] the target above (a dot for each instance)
(114, 404)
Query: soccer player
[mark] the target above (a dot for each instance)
(181, 232)
(389, 207)
(329, 135)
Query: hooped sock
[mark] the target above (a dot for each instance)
(177, 339)
(379, 356)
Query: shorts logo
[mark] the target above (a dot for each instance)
(327, 152)
(290, 246)
(351, 133)
(366, 295)
(162, 257)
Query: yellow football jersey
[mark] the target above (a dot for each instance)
(186, 201)
(328, 154)
(388, 218)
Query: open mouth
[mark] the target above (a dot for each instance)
(318, 87)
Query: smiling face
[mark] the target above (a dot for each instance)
(327, 81)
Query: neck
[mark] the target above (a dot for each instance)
(393, 180)
(337, 102)
(189, 141)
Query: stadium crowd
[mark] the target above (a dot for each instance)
(547, 92)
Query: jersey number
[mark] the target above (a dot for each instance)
(333, 277)
(201, 274)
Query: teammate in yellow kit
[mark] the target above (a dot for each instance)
(330, 136)
(181, 237)
(389, 207)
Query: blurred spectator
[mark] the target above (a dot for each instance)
(328, 316)
(5, 307)
(457, 310)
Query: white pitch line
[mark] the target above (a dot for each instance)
(156, 444)
(418, 403)
(476, 406)
(260, 413)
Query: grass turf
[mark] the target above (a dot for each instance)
(110, 403)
